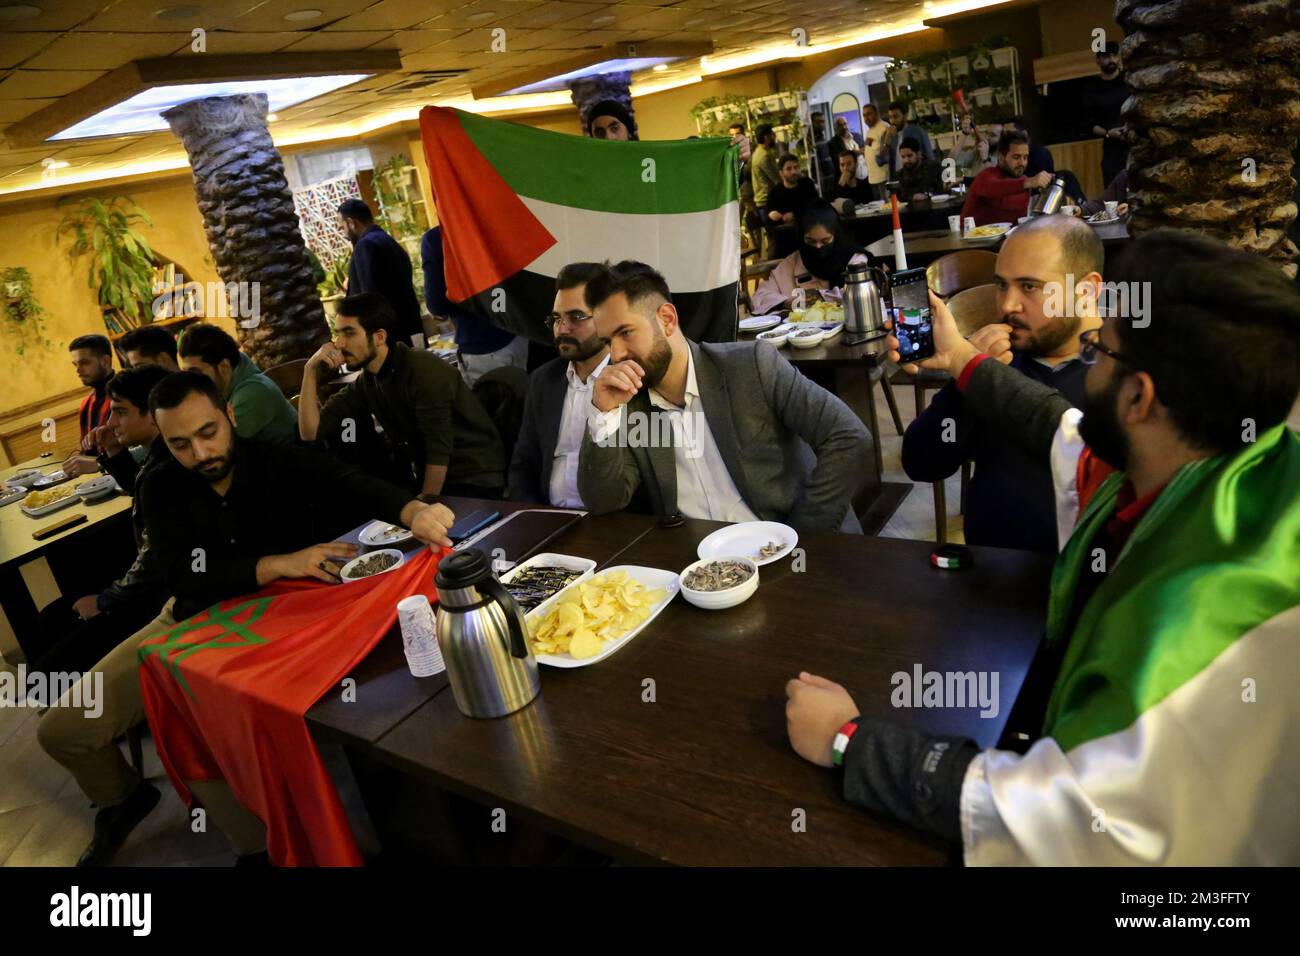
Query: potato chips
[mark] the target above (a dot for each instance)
(39, 499)
(590, 613)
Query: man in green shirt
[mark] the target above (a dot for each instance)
(431, 421)
(261, 410)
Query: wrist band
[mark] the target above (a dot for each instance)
(841, 742)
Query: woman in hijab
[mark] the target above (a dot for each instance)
(610, 119)
(823, 256)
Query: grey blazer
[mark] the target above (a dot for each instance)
(794, 450)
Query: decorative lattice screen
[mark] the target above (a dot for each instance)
(318, 216)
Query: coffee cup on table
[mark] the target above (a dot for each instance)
(954, 224)
(1112, 209)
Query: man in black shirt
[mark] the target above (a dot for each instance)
(226, 516)
(380, 264)
(786, 202)
(918, 177)
(1102, 101)
(848, 186)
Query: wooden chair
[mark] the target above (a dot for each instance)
(287, 376)
(975, 308)
(957, 271)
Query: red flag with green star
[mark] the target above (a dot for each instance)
(227, 691)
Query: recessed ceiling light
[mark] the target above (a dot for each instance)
(20, 11)
(272, 117)
(661, 68)
(187, 12)
(602, 20)
(303, 14)
(49, 162)
(480, 17)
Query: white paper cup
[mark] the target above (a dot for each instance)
(954, 224)
(1070, 210)
(969, 224)
(1112, 208)
(420, 636)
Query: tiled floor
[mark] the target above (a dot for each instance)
(46, 821)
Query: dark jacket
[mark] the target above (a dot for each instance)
(428, 415)
(925, 177)
(474, 335)
(530, 469)
(1010, 502)
(145, 582)
(380, 264)
(794, 199)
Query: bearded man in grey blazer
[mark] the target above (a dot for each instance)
(721, 431)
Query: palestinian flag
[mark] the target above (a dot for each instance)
(517, 204)
(1172, 729)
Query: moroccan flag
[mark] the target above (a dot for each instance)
(226, 692)
(1172, 729)
(517, 203)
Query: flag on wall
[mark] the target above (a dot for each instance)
(517, 203)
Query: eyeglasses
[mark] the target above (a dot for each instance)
(573, 318)
(1090, 345)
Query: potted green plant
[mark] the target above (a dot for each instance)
(121, 262)
(331, 288)
(25, 318)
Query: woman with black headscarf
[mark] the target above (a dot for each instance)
(610, 119)
(823, 256)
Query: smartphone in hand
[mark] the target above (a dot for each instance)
(910, 297)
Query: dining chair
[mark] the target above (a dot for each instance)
(287, 376)
(957, 271)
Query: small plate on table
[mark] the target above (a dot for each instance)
(380, 534)
(355, 569)
(98, 489)
(776, 337)
(1102, 221)
(748, 539)
(45, 481)
(649, 578)
(66, 497)
(759, 323)
(24, 476)
(10, 492)
(989, 231)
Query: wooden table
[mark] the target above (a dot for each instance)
(851, 372)
(924, 247)
(21, 555)
(704, 775)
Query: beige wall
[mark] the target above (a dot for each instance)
(1067, 27)
(59, 284)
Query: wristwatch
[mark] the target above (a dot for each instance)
(841, 742)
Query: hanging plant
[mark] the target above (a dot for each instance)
(121, 262)
(24, 317)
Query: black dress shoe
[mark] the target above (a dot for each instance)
(114, 824)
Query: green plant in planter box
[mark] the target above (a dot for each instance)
(24, 317)
(336, 277)
(121, 262)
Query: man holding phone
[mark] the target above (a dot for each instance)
(226, 517)
(1176, 593)
(1046, 263)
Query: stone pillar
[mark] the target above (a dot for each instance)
(250, 222)
(1214, 119)
(590, 90)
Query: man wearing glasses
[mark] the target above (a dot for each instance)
(545, 464)
(1157, 724)
(1048, 275)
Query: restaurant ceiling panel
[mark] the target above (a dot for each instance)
(232, 41)
(395, 14)
(324, 41)
(55, 15)
(13, 110)
(35, 84)
(271, 16)
(104, 51)
(139, 16)
(414, 41)
(553, 13)
(17, 47)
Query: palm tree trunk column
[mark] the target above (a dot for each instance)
(250, 222)
(1214, 118)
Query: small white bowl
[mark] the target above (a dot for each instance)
(99, 487)
(775, 337)
(717, 600)
(347, 568)
(807, 338)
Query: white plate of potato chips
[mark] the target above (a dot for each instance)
(592, 618)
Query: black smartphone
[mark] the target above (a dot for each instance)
(471, 524)
(910, 300)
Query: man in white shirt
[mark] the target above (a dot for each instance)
(720, 431)
(545, 463)
(874, 138)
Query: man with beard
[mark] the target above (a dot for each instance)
(440, 438)
(1001, 193)
(381, 264)
(226, 516)
(721, 431)
(545, 465)
(92, 357)
(1102, 102)
(262, 411)
(1048, 275)
(1154, 727)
